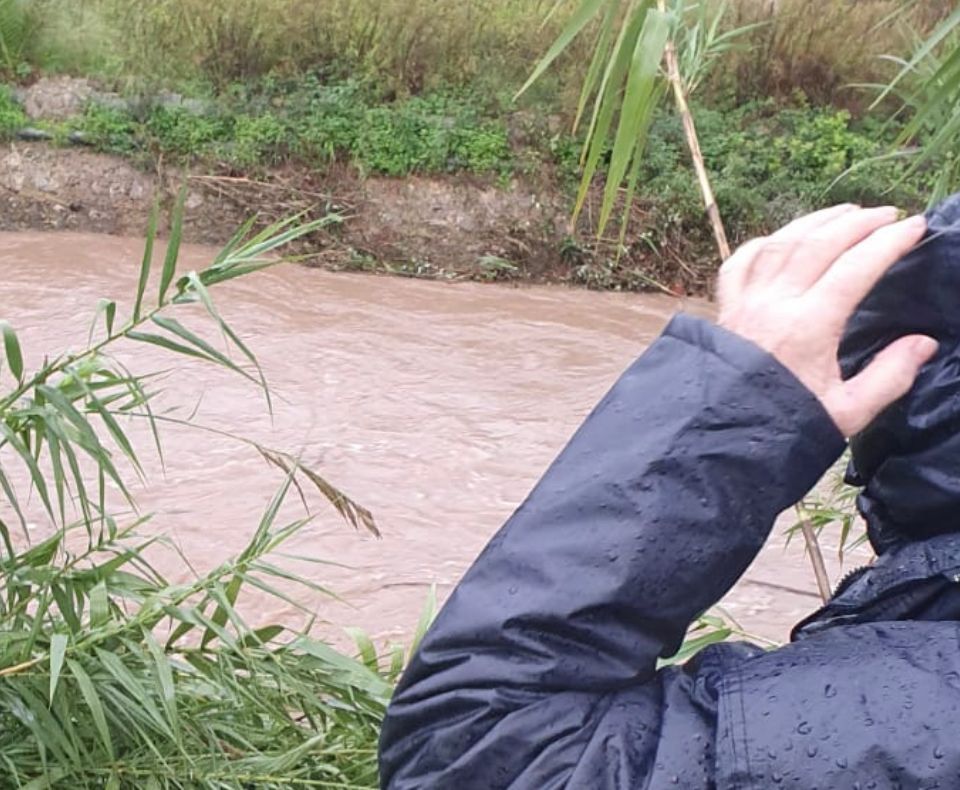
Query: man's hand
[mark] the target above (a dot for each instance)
(792, 293)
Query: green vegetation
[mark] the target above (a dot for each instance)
(770, 163)
(404, 46)
(304, 121)
(426, 86)
(112, 676)
(412, 46)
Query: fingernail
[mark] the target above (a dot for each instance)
(916, 221)
(925, 347)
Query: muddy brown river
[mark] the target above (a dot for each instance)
(437, 406)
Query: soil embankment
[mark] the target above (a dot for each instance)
(439, 227)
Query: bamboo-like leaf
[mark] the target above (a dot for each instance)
(224, 608)
(36, 476)
(147, 261)
(108, 309)
(634, 176)
(608, 99)
(92, 699)
(113, 427)
(173, 245)
(99, 605)
(11, 347)
(601, 55)
(67, 608)
(578, 21)
(946, 82)
(262, 636)
(12, 499)
(206, 351)
(58, 652)
(161, 665)
(637, 107)
(86, 438)
(938, 36)
(427, 615)
(194, 282)
(365, 648)
(236, 240)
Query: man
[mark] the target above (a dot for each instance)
(541, 672)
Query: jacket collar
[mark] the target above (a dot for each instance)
(896, 571)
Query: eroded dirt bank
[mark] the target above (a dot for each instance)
(417, 225)
(450, 227)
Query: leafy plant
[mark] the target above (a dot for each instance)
(14, 32)
(110, 675)
(12, 117)
(928, 85)
(635, 62)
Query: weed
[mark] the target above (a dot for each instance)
(12, 117)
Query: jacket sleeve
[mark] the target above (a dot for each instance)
(540, 671)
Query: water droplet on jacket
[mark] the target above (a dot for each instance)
(803, 728)
(829, 690)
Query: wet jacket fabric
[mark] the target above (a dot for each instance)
(909, 459)
(541, 670)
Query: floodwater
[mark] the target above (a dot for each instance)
(437, 406)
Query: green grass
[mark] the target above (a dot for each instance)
(405, 46)
(314, 124)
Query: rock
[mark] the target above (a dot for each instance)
(33, 135)
(111, 101)
(56, 98)
(79, 138)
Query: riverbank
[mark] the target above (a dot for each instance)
(442, 186)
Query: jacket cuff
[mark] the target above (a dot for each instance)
(822, 443)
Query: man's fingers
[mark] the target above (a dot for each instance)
(888, 378)
(816, 253)
(740, 267)
(736, 270)
(854, 273)
(799, 228)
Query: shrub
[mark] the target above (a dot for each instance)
(109, 130)
(180, 131)
(12, 117)
(769, 164)
(259, 140)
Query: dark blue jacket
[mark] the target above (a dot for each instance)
(541, 670)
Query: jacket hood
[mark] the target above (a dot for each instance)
(908, 459)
